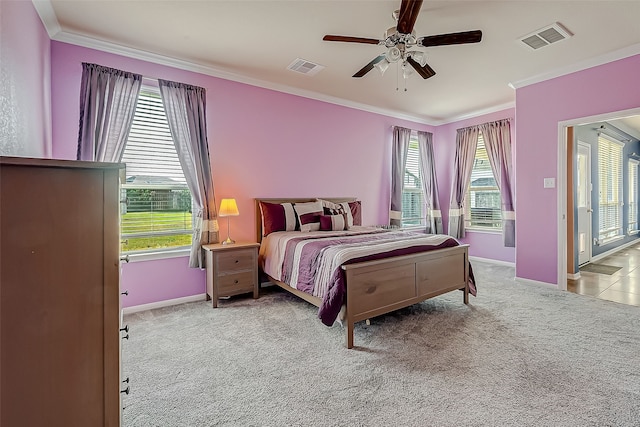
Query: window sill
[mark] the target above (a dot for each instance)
(482, 230)
(610, 240)
(160, 254)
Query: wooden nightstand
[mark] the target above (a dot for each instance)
(231, 270)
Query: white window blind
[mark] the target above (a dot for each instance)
(633, 196)
(413, 209)
(610, 182)
(482, 202)
(158, 210)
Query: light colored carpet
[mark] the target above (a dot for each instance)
(518, 354)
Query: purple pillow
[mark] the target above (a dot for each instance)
(277, 217)
(333, 222)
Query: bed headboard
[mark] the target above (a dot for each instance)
(290, 200)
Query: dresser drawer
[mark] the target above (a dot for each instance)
(236, 283)
(236, 260)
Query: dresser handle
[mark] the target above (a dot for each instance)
(125, 391)
(125, 258)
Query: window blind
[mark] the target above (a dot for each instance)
(157, 214)
(482, 201)
(633, 196)
(413, 212)
(610, 191)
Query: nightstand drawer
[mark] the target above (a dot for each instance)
(236, 283)
(236, 260)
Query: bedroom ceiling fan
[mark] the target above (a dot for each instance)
(399, 41)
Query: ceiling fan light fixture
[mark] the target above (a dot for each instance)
(393, 54)
(406, 71)
(419, 57)
(382, 66)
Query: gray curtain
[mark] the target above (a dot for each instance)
(108, 99)
(497, 140)
(466, 143)
(429, 183)
(400, 148)
(185, 106)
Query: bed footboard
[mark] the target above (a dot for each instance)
(378, 287)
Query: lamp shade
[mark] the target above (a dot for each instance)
(228, 207)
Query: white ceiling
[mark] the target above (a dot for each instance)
(255, 40)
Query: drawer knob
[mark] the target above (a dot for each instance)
(125, 391)
(124, 258)
(124, 293)
(126, 328)
(126, 381)
(236, 281)
(237, 261)
(126, 337)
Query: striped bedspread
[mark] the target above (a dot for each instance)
(310, 261)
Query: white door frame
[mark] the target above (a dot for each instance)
(561, 180)
(589, 243)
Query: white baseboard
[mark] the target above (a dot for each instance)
(574, 276)
(166, 303)
(492, 261)
(536, 282)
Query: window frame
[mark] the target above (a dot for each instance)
(632, 197)
(178, 184)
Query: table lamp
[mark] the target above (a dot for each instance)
(228, 207)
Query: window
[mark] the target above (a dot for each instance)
(482, 202)
(633, 197)
(157, 214)
(610, 181)
(413, 208)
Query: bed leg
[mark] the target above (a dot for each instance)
(349, 333)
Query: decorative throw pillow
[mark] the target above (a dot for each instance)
(277, 217)
(309, 215)
(353, 210)
(333, 222)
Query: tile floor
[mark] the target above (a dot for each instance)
(623, 286)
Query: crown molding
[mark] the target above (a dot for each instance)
(477, 113)
(104, 46)
(47, 16)
(579, 66)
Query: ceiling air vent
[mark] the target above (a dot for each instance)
(305, 67)
(545, 36)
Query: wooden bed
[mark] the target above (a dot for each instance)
(381, 286)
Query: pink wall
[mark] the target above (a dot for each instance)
(263, 143)
(607, 88)
(24, 82)
(482, 244)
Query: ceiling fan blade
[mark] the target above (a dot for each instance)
(409, 10)
(425, 72)
(348, 39)
(368, 67)
(453, 38)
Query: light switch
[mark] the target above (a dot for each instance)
(549, 183)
